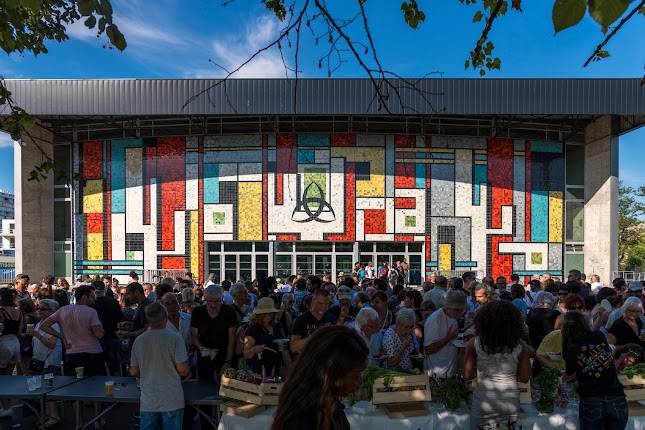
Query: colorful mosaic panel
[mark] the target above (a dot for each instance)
(488, 204)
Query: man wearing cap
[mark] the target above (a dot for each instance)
(344, 296)
(440, 329)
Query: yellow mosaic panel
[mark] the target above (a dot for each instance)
(250, 211)
(194, 241)
(93, 196)
(375, 186)
(555, 216)
(445, 256)
(94, 247)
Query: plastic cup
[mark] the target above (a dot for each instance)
(80, 371)
(30, 328)
(109, 388)
(49, 379)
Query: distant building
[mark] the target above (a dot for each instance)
(8, 244)
(6, 205)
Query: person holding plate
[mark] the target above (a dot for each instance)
(399, 343)
(260, 349)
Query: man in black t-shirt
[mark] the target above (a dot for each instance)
(317, 317)
(213, 329)
(110, 314)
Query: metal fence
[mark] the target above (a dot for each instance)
(629, 276)
(154, 276)
(7, 276)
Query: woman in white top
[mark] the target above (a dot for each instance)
(499, 359)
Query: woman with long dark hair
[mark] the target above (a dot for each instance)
(499, 359)
(328, 368)
(588, 359)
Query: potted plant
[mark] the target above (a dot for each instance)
(546, 383)
(451, 391)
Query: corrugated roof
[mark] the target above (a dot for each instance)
(328, 97)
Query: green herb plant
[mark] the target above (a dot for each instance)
(547, 383)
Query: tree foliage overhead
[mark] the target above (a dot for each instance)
(631, 225)
(25, 27)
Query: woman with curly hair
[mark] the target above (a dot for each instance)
(499, 359)
(328, 368)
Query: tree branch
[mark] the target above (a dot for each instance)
(613, 32)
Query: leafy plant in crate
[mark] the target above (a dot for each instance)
(547, 383)
(451, 391)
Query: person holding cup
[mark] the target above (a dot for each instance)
(81, 331)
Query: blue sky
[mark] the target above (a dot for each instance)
(176, 38)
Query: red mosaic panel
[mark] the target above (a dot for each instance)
(501, 264)
(527, 193)
(405, 176)
(403, 238)
(405, 141)
(107, 201)
(93, 159)
(286, 237)
(405, 203)
(173, 263)
(200, 185)
(374, 221)
(350, 206)
(265, 186)
(428, 256)
(500, 178)
(172, 182)
(285, 162)
(343, 139)
(94, 223)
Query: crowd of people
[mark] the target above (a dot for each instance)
(319, 335)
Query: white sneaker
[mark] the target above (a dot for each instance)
(4, 413)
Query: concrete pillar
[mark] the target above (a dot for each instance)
(34, 205)
(601, 198)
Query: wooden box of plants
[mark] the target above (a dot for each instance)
(633, 380)
(390, 386)
(249, 388)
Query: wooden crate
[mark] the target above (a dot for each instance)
(401, 411)
(245, 410)
(634, 388)
(262, 394)
(415, 388)
(525, 393)
(524, 388)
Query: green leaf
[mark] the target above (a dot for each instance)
(482, 72)
(33, 5)
(411, 13)
(102, 23)
(90, 22)
(606, 12)
(642, 10)
(86, 7)
(116, 37)
(567, 13)
(478, 16)
(467, 64)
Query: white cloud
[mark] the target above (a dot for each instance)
(137, 33)
(5, 141)
(231, 51)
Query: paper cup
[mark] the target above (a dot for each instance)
(80, 371)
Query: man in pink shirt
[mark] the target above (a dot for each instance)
(81, 331)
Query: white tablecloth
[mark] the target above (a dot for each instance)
(359, 418)
(438, 418)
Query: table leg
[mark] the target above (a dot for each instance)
(98, 417)
(208, 418)
(77, 413)
(42, 413)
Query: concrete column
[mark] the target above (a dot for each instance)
(601, 198)
(34, 205)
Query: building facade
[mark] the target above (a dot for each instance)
(240, 206)
(511, 177)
